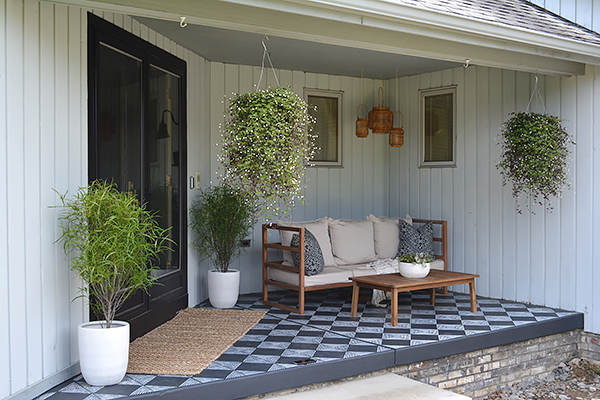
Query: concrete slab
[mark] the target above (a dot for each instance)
(383, 387)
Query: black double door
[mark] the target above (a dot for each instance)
(137, 139)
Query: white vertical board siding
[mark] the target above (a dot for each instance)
(43, 88)
(357, 189)
(538, 257)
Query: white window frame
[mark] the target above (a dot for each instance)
(423, 94)
(339, 95)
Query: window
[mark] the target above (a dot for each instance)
(438, 127)
(326, 107)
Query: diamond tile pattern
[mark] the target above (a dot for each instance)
(327, 333)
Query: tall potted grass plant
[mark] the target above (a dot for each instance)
(221, 218)
(112, 240)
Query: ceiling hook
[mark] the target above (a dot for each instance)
(466, 64)
(182, 22)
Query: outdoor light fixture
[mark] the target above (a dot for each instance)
(163, 133)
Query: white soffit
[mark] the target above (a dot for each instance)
(379, 26)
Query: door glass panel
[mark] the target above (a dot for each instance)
(163, 139)
(119, 119)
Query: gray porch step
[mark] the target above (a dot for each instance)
(382, 387)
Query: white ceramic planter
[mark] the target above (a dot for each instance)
(410, 270)
(223, 288)
(103, 353)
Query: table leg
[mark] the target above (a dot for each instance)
(355, 290)
(394, 306)
(432, 296)
(472, 294)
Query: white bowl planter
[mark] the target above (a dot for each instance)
(223, 288)
(103, 353)
(410, 270)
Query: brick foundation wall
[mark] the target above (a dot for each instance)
(589, 346)
(481, 372)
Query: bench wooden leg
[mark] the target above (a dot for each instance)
(355, 290)
(432, 296)
(472, 294)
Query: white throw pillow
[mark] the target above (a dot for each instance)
(319, 230)
(352, 241)
(386, 233)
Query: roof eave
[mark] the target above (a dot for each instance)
(377, 25)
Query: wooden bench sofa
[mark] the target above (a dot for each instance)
(283, 274)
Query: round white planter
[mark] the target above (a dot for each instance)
(103, 353)
(223, 288)
(410, 270)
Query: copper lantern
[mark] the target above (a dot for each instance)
(381, 119)
(397, 134)
(362, 129)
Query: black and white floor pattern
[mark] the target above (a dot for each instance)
(327, 334)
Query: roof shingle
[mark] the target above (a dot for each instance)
(512, 13)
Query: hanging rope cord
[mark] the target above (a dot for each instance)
(533, 93)
(266, 55)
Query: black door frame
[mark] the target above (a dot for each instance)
(164, 300)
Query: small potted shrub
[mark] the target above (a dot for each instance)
(113, 240)
(535, 148)
(415, 265)
(221, 218)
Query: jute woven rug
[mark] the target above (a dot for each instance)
(189, 342)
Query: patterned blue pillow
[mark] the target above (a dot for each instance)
(413, 240)
(313, 256)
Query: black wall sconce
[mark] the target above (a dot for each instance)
(163, 133)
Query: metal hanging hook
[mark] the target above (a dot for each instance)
(182, 22)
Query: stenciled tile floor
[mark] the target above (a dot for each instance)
(327, 343)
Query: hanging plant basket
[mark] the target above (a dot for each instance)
(267, 142)
(535, 149)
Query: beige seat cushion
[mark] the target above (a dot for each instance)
(437, 264)
(360, 270)
(328, 276)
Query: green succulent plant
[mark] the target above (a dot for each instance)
(417, 258)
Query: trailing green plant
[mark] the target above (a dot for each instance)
(113, 241)
(417, 258)
(221, 218)
(267, 142)
(535, 150)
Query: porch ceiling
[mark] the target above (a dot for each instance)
(237, 47)
(343, 37)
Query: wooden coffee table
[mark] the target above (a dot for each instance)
(396, 283)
